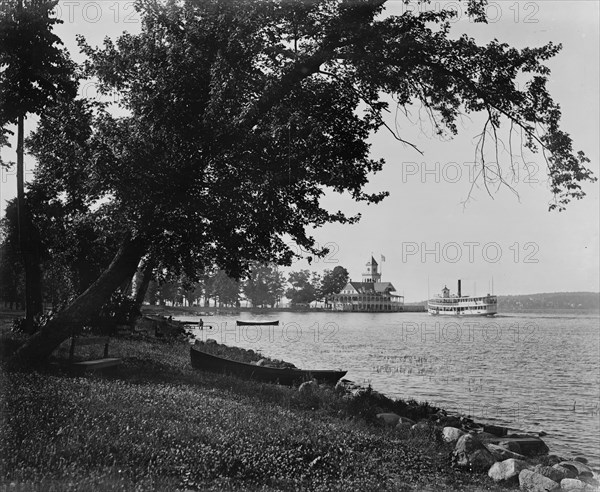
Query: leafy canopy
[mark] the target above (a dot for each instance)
(34, 70)
(334, 281)
(241, 115)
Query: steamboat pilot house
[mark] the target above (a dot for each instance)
(370, 295)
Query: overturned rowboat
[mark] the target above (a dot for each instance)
(208, 362)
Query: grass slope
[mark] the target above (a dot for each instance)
(157, 424)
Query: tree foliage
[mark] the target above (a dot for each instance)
(226, 290)
(305, 287)
(246, 110)
(264, 285)
(333, 281)
(37, 71)
(73, 252)
(242, 115)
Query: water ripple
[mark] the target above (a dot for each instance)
(524, 371)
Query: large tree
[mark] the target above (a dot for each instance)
(243, 114)
(226, 290)
(11, 272)
(264, 285)
(333, 282)
(305, 287)
(34, 73)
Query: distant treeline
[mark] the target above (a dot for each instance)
(583, 301)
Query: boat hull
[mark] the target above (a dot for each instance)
(432, 312)
(256, 323)
(288, 377)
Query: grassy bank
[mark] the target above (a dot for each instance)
(157, 424)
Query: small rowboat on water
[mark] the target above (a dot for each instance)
(240, 322)
(288, 377)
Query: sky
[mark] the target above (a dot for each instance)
(438, 225)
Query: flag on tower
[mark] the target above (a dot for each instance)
(382, 258)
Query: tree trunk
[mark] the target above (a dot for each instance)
(141, 288)
(29, 243)
(73, 317)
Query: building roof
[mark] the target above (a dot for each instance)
(370, 287)
(372, 262)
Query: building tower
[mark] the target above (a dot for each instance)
(372, 275)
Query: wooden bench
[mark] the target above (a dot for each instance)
(92, 365)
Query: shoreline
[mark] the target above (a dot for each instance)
(564, 431)
(413, 308)
(503, 442)
(564, 437)
(159, 365)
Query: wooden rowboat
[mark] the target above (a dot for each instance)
(288, 377)
(240, 322)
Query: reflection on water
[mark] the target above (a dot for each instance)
(524, 371)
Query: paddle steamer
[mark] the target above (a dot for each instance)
(459, 305)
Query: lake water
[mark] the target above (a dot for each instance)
(528, 372)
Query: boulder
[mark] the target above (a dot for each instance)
(530, 445)
(470, 452)
(531, 481)
(452, 434)
(450, 421)
(568, 471)
(591, 481)
(403, 426)
(581, 459)
(573, 484)
(495, 430)
(502, 454)
(423, 425)
(308, 387)
(506, 470)
(555, 474)
(486, 436)
(211, 341)
(481, 460)
(511, 446)
(341, 387)
(582, 469)
(552, 459)
(389, 419)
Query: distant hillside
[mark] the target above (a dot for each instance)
(579, 301)
(585, 301)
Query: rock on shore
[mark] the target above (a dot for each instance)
(452, 434)
(470, 452)
(531, 481)
(507, 470)
(505, 457)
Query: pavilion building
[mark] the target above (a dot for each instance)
(370, 295)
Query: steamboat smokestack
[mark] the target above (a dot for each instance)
(459, 288)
